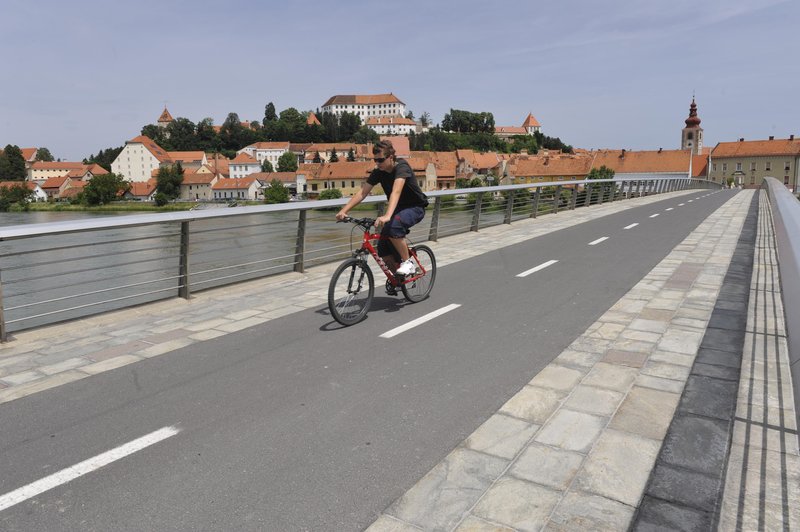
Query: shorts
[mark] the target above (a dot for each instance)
(398, 227)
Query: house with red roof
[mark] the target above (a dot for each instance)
(365, 105)
(528, 127)
(748, 162)
(137, 160)
(141, 190)
(38, 193)
(266, 151)
(197, 185)
(245, 188)
(391, 125)
(243, 165)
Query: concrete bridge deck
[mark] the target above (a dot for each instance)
(673, 410)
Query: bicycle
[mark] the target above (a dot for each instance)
(352, 286)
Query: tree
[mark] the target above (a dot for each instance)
(410, 115)
(168, 181)
(154, 133)
(269, 114)
(276, 192)
(43, 154)
(601, 173)
(467, 122)
(266, 166)
(104, 157)
(17, 193)
(12, 164)
(103, 189)
(425, 119)
(351, 155)
(287, 162)
(349, 124)
(366, 135)
(317, 158)
(331, 193)
(180, 135)
(334, 156)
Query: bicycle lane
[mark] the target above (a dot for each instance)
(258, 424)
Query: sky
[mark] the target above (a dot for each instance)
(86, 75)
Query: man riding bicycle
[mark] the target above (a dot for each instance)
(406, 206)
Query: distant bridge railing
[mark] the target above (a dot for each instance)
(53, 272)
(786, 221)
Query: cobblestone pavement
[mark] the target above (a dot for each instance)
(575, 448)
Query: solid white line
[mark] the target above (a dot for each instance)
(87, 466)
(537, 268)
(653, 215)
(631, 226)
(594, 242)
(669, 209)
(419, 321)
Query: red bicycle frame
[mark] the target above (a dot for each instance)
(366, 246)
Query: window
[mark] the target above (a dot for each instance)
(752, 167)
(786, 166)
(752, 180)
(352, 184)
(313, 187)
(689, 135)
(768, 166)
(713, 167)
(724, 167)
(738, 167)
(343, 185)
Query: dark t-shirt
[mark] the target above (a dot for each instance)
(411, 196)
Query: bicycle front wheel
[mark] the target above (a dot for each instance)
(350, 292)
(421, 283)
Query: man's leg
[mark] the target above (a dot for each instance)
(401, 247)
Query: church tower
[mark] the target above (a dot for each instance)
(692, 135)
(165, 119)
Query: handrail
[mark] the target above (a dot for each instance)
(786, 221)
(56, 278)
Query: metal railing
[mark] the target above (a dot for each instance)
(54, 272)
(786, 222)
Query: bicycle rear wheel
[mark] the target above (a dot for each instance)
(350, 292)
(421, 282)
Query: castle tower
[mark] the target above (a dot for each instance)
(692, 134)
(165, 118)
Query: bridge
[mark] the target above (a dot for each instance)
(616, 356)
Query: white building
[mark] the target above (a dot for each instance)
(242, 166)
(266, 151)
(366, 105)
(139, 158)
(245, 188)
(391, 125)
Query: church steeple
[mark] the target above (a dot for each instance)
(165, 118)
(692, 134)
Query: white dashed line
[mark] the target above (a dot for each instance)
(653, 215)
(419, 321)
(631, 226)
(681, 204)
(537, 268)
(691, 200)
(87, 466)
(669, 209)
(595, 242)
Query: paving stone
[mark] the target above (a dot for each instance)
(666, 371)
(684, 487)
(680, 341)
(9, 394)
(719, 358)
(707, 396)
(728, 319)
(625, 358)
(656, 515)
(611, 376)
(718, 372)
(557, 377)
(111, 363)
(618, 467)
(70, 363)
(646, 412)
(677, 359)
(501, 436)
(656, 315)
(21, 377)
(389, 524)
(475, 524)
(724, 340)
(441, 497)
(578, 359)
(696, 443)
(594, 400)
(554, 468)
(579, 511)
(572, 431)
(518, 504)
(533, 404)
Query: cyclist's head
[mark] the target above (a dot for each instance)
(384, 148)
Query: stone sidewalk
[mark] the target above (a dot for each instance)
(576, 447)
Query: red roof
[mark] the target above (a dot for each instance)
(361, 99)
(756, 148)
(637, 162)
(157, 151)
(142, 188)
(530, 121)
(234, 184)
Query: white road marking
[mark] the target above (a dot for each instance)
(595, 242)
(669, 209)
(87, 466)
(691, 200)
(537, 268)
(631, 226)
(681, 204)
(653, 215)
(419, 321)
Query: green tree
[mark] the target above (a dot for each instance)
(276, 192)
(334, 156)
(317, 158)
(17, 193)
(12, 164)
(425, 119)
(351, 155)
(287, 162)
(103, 189)
(43, 154)
(266, 166)
(154, 133)
(466, 122)
(349, 124)
(168, 181)
(601, 173)
(160, 199)
(292, 123)
(331, 193)
(366, 135)
(181, 135)
(207, 137)
(269, 114)
(104, 157)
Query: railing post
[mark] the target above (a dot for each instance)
(536, 202)
(183, 274)
(379, 208)
(602, 193)
(587, 199)
(574, 200)
(3, 336)
(433, 234)
(300, 243)
(509, 206)
(476, 214)
(557, 199)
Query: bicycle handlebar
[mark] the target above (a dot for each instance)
(366, 223)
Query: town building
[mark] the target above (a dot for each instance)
(197, 186)
(243, 165)
(529, 126)
(266, 151)
(391, 125)
(41, 171)
(692, 134)
(38, 193)
(547, 168)
(165, 119)
(645, 164)
(245, 188)
(137, 160)
(365, 105)
(141, 191)
(748, 162)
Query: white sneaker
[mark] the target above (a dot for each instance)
(406, 268)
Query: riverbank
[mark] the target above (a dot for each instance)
(117, 206)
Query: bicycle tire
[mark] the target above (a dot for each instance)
(417, 290)
(348, 297)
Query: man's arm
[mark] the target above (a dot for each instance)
(394, 199)
(357, 198)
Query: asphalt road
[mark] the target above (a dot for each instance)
(299, 424)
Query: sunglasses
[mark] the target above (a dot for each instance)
(379, 160)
